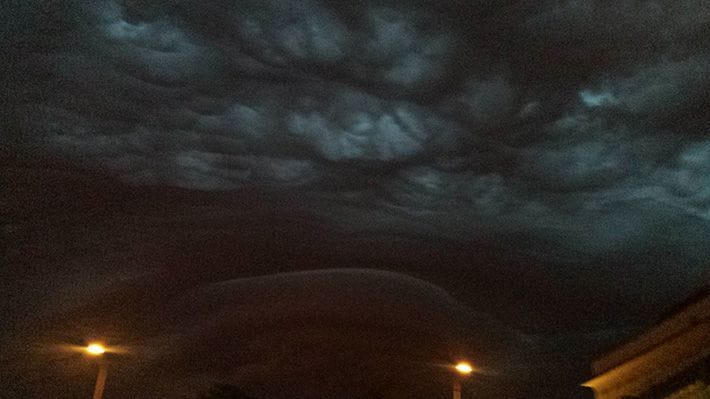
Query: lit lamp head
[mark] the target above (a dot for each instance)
(95, 349)
(463, 368)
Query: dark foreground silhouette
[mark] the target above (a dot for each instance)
(225, 391)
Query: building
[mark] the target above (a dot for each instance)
(670, 360)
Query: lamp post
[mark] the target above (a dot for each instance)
(98, 350)
(463, 369)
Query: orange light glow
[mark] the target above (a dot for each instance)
(95, 349)
(463, 368)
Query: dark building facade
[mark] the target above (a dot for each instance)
(670, 360)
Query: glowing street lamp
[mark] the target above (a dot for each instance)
(95, 349)
(464, 369)
(98, 350)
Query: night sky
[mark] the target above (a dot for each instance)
(336, 199)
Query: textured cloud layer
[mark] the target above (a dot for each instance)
(572, 134)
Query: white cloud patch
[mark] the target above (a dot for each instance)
(409, 56)
(157, 49)
(219, 172)
(299, 31)
(454, 193)
(688, 179)
(338, 123)
(387, 44)
(360, 135)
(584, 151)
(596, 99)
(661, 87)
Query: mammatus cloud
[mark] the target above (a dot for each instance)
(492, 124)
(570, 132)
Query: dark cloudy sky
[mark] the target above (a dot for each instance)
(334, 198)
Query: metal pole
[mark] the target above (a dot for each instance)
(100, 381)
(457, 389)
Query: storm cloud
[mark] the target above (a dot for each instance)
(562, 141)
